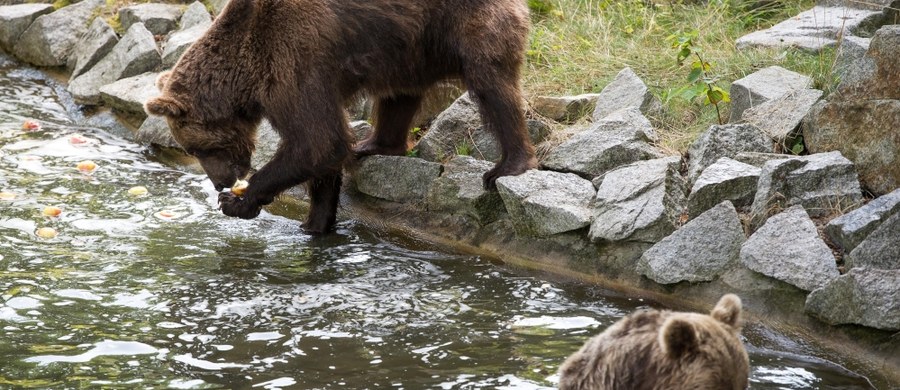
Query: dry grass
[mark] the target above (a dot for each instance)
(578, 46)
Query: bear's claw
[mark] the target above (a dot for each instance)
(234, 206)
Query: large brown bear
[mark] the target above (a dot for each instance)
(296, 62)
(655, 349)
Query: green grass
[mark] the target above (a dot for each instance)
(578, 46)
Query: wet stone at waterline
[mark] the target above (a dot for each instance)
(147, 285)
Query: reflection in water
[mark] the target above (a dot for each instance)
(126, 296)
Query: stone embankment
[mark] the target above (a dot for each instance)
(810, 238)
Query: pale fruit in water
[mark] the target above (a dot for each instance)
(87, 166)
(137, 191)
(31, 125)
(77, 139)
(46, 232)
(166, 214)
(239, 187)
(52, 211)
(7, 196)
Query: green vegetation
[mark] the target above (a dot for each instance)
(578, 46)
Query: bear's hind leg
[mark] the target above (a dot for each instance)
(324, 193)
(393, 116)
(500, 104)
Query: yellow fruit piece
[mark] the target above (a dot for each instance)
(166, 214)
(239, 187)
(137, 191)
(7, 196)
(52, 211)
(46, 232)
(87, 166)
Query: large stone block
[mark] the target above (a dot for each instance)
(764, 85)
(543, 203)
(879, 249)
(812, 30)
(15, 19)
(93, 46)
(396, 178)
(460, 190)
(724, 141)
(135, 53)
(50, 39)
(865, 297)
(850, 229)
(788, 248)
(639, 202)
(129, 94)
(627, 90)
(701, 250)
(727, 179)
(158, 18)
(619, 139)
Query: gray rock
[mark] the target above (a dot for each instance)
(565, 109)
(129, 94)
(359, 108)
(617, 140)
(699, 251)
(724, 141)
(874, 5)
(93, 46)
(49, 40)
(180, 41)
(821, 183)
(452, 128)
(727, 179)
(742, 278)
(788, 248)
(459, 190)
(436, 100)
(764, 85)
(864, 132)
(195, 14)
(877, 73)
(543, 203)
(135, 53)
(14, 19)
(486, 147)
(780, 118)
(811, 30)
(158, 18)
(850, 229)
(758, 159)
(267, 143)
(865, 297)
(852, 65)
(155, 131)
(640, 202)
(625, 91)
(459, 130)
(879, 249)
(395, 178)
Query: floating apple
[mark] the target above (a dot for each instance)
(239, 187)
(87, 166)
(137, 191)
(52, 211)
(31, 125)
(7, 196)
(77, 139)
(166, 214)
(46, 232)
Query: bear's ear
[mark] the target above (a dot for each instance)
(678, 337)
(162, 79)
(164, 106)
(728, 311)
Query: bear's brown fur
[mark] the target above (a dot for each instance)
(296, 62)
(655, 349)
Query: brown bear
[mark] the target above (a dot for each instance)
(296, 63)
(653, 349)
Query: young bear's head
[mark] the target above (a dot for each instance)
(664, 350)
(210, 125)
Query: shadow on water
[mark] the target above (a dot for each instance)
(127, 296)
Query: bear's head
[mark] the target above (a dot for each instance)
(655, 349)
(208, 125)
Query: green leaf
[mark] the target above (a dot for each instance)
(695, 75)
(726, 97)
(683, 54)
(714, 96)
(797, 149)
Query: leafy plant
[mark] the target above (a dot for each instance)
(464, 149)
(701, 82)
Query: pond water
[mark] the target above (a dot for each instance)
(162, 291)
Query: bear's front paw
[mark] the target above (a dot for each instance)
(234, 206)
